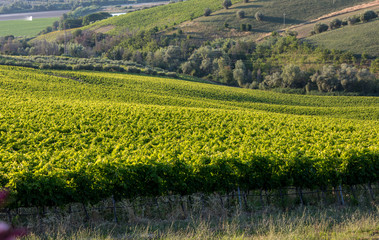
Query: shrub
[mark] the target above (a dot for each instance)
(95, 17)
(321, 27)
(243, 27)
(207, 12)
(352, 20)
(245, 1)
(368, 15)
(336, 23)
(226, 25)
(77, 33)
(227, 4)
(133, 70)
(259, 16)
(241, 14)
(171, 74)
(249, 27)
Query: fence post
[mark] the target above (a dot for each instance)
(370, 191)
(114, 209)
(86, 212)
(341, 195)
(239, 197)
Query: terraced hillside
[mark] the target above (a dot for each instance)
(84, 136)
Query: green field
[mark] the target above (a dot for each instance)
(161, 16)
(23, 28)
(358, 39)
(84, 136)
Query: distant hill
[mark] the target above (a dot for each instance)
(275, 14)
(160, 17)
(188, 16)
(358, 39)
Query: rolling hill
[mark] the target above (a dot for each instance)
(65, 135)
(188, 16)
(296, 12)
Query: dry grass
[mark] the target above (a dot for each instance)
(271, 223)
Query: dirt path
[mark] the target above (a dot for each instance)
(349, 10)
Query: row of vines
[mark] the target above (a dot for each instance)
(81, 137)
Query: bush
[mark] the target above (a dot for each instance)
(207, 12)
(245, 1)
(171, 74)
(226, 25)
(241, 14)
(77, 33)
(368, 15)
(243, 27)
(353, 20)
(227, 4)
(133, 70)
(336, 23)
(321, 27)
(259, 16)
(249, 27)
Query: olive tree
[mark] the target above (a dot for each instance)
(227, 4)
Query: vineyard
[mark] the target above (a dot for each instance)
(85, 136)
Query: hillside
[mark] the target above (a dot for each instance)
(296, 11)
(358, 39)
(305, 29)
(188, 16)
(65, 135)
(160, 17)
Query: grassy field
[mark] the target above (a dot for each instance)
(23, 28)
(358, 39)
(161, 16)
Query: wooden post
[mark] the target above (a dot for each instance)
(261, 198)
(239, 198)
(341, 196)
(370, 191)
(114, 209)
(86, 212)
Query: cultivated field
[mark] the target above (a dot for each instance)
(23, 28)
(66, 135)
(358, 39)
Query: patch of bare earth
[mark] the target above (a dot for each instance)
(104, 29)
